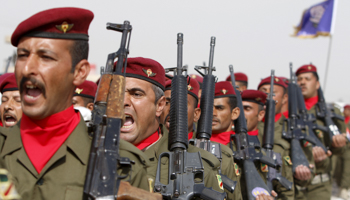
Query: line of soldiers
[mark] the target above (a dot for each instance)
(44, 141)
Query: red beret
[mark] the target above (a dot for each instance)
(239, 77)
(285, 80)
(146, 69)
(86, 89)
(192, 87)
(277, 81)
(224, 89)
(306, 68)
(346, 106)
(59, 23)
(8, 82)
(197, 77)
(255, 96)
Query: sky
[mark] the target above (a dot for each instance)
(253, 35)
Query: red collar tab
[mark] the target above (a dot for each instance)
(148, 141)
(253, 133)
(222, 138)
(347, 119)
(278, 116)
(286, 114)
(190, 135)
(310, 102)
(42, 138)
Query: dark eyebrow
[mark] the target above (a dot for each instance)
(22, 49)
(136, 90)
(168, 98)
(219, 106)
(247, 106)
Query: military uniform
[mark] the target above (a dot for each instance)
(63, 176)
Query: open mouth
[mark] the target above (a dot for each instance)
(10, 119)
(128, 123)
(31, 89)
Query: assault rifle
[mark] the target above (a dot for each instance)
(268, 138)
(294, 133)
(248, 152)
(102, 180)
(204, 124)
(186, 172)
(323, 113)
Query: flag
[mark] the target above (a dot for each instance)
(317, 20)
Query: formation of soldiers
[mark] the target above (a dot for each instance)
(46, 110)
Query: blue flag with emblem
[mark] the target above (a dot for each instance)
(317, 20)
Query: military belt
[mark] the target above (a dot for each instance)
(320, 178)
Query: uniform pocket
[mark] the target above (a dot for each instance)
(74, 193)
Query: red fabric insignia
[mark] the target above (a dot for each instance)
(253, 133)
(42, 138)
(286, 114)
(148, 141)
(222, 138)
(310, 102)
(347, 119)
(190, 135)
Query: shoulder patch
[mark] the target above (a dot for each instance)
(288, 160)
(264, 167)
(319, 133)
(221, 185)
(238, 173)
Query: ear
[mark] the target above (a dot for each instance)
(318, 85)
(284, 99)
(160, 106)
(261, 115)
(81, 71)
(197, 114)
(235, 113)
(90, 106)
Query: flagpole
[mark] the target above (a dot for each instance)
(327, 65)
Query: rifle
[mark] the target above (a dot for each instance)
(323, 112)
(309, 120)
(205, 121)
(294, 133)
(268, 138)
(186, 172)
(248, 152)
(102, 180)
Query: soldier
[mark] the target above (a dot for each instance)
(144, 103)
(320, 187)
(193, 115)
(346, 113)
(241, 80)
(10, 108)
(47, 152)
(284, 110)
(199, 79)
(84, 95)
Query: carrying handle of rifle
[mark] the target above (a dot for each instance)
(158, 186)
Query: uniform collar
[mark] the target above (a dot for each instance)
(310, 102)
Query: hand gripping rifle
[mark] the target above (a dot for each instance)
(102, 180)
(294, 133)
(309, 120)
(248, 152)
(324, 113)
(186, 172)
(268, 138)
(204, 124)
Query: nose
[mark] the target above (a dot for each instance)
(31, 66)
(8, 105)
(214, 111)
(127, 101)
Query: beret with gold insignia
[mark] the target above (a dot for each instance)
(255, 96)
(278, 81)
(58, 23)
(8, 82)
(146, 69)
(306, 68)
(86, 89)
(239, 76)
(192, 87)
(224, 89)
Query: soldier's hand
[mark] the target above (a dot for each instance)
(319, 154)
(264, 197)
(302, 173)
(339, 141)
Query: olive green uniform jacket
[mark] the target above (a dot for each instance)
(210, 163)
(63, 176)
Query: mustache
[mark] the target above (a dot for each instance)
(216, 119)
(35, 82)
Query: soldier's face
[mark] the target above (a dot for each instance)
(141, 111)
(78, 101)
(11, 109)
(193, 113)
(279, 95)
(252, 114)
(308, 84)
(44, 77)
(222, 115)
(347, 112)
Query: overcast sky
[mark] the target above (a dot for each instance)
(252, 35)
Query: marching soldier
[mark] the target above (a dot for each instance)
(10, 108)
(321, 185)
(143, 105)
(47, 152)
(241, 80)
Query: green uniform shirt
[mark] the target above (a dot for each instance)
(63, 176)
